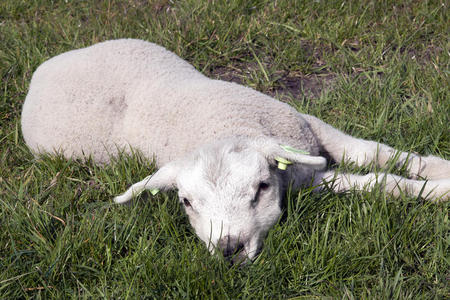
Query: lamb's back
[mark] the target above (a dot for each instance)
(196, 112)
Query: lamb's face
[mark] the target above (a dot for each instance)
(232, 197)
(231, 190)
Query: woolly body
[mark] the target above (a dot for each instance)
(130, 92)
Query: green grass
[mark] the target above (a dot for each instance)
(376, 69)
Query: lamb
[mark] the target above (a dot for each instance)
(229, 150)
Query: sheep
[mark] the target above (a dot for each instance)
(230, 151)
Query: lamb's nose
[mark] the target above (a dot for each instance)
(230, 246)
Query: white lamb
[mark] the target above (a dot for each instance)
(218, 143)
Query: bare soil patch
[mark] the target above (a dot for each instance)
(285, 84)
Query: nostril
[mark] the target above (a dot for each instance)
(227, 252)
(230, 246)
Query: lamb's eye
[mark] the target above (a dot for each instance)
(186, 202)
(263, 186)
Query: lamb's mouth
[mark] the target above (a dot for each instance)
(242, 256)
(233, 250)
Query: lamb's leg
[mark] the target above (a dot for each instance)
(435, 190)
(339, 145)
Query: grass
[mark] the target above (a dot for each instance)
(375, 69)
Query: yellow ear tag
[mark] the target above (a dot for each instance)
(282, 163)
(154, 191)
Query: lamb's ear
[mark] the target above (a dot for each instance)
(278, 153)
(163, 179)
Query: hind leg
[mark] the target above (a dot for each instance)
(435, 190)
(341, 146)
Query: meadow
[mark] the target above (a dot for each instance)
(375, 69)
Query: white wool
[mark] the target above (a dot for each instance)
(131, 92)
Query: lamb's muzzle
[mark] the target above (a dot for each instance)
(232, 248)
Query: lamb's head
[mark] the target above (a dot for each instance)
(231, 190)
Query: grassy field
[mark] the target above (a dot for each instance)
(375, 69)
